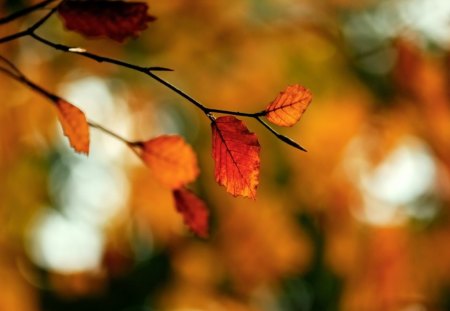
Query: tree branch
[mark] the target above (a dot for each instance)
(40, 22)
(147, 70)
(31, 32)
(14, 36)
(54, 99)
(18, 76)
(234, 113)
(281, 137)
(11, 65)
(25, 11)
(109, 132)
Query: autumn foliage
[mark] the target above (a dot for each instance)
(153, 155)
(173, 162)
(116, 20)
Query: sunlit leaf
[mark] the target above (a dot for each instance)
(171, 159)
(289, 106)
(194, 211)
(116, 20)
(74, 125)
(236, 155)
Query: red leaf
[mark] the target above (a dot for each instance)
(171, 159)
(74, 125)
(236, 155)
(116, 20)
(289, 106)
(194, 211)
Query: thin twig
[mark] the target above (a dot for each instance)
(25, 11)
(31, 32)
(40, 22)
(206, 110)
(109, 132)
(54, 99)
(20, 77)
(180, 92)
(9, 73)
(14, 36)
(234, 113)
(101, 59)
(96, 57)
(11, 65)
(281, 137)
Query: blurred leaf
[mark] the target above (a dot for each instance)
(116, 20)
(236, 155)
(194, 211)
(172, 160)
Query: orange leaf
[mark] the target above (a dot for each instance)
(171, 159)
(289, 106)
(194, 211)
(74, 125)
(116, 20)
(236, 155)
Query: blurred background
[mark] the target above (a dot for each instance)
(360, 222)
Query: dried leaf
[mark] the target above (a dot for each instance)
(236, 155)
(116, 20)
(74, 125)
(194, 211)
(171, 159)
(289, 106)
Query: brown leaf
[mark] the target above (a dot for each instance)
(116, 20)
(171, 159)
(74, 125)
(289, 106)
(236, 155)
(194, 211)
